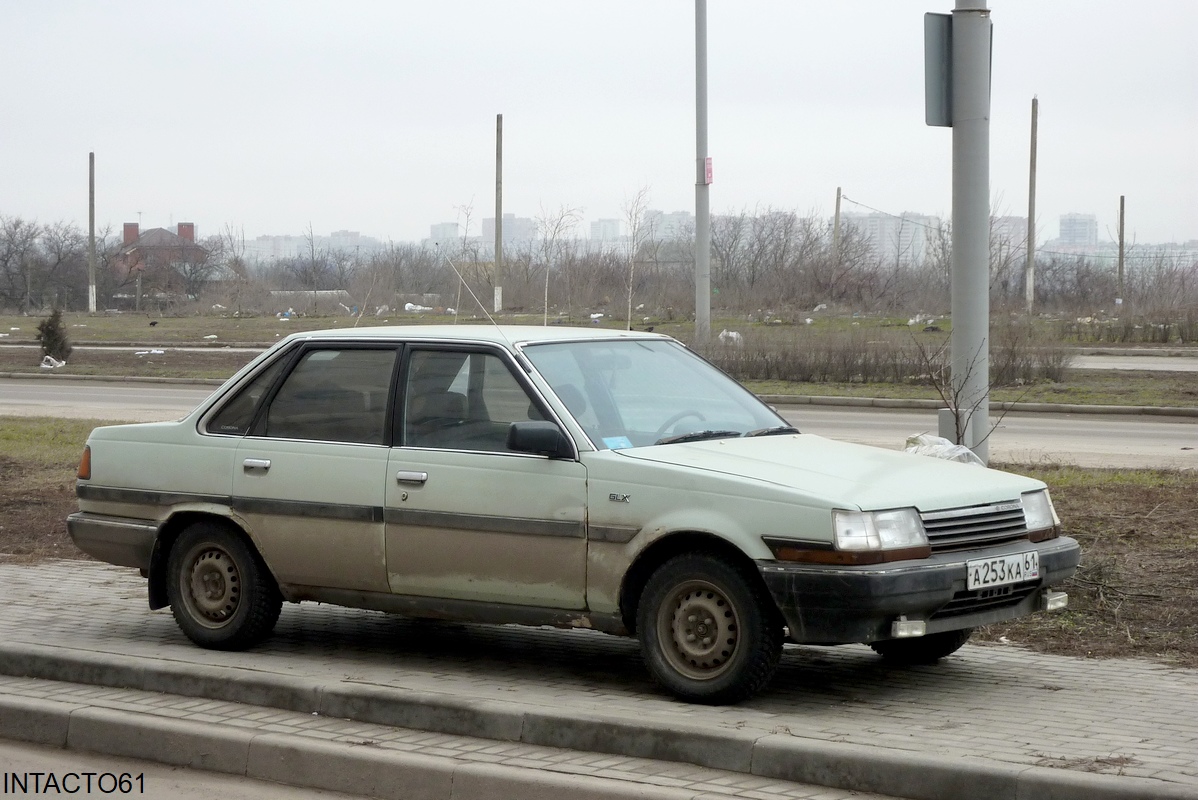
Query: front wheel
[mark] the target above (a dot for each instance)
(708, 631)
(221, 594)
(922, 649)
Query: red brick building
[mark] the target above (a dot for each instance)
(163, 264)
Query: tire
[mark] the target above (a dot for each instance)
(922, 649)
(221, 594)
(709, 633)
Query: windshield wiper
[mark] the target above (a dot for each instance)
(778, 431)
(697, 436)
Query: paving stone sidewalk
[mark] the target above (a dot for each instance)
(156, 711)
(999, 703)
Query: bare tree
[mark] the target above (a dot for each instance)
(61, 265)
(553, 228)
(197, 265)
(639, 231)
(311, 268)
(18, 244)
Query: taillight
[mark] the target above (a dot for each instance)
(85, 464)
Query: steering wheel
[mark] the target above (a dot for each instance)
(669, 423)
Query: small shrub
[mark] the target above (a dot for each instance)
(52, 334)
(1187, 327)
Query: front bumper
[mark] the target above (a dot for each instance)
(123, 541)
(840, 605)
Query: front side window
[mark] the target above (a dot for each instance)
(462, 400)
(334, 395)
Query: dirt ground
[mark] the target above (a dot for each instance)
(1136, 593)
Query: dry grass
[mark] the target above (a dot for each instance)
(38, 460)
(1136, 593)
(207, 364)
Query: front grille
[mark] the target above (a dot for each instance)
(985, 599)
(974, 527)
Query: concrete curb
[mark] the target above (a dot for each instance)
(918, 775)
(1030, 408)
(113, 378)
(299, 761)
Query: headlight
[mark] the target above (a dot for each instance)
(861, 537)
(1040, 517)
(878, 530)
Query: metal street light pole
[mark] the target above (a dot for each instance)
(91, 233)
(971, 35)
(702, 182)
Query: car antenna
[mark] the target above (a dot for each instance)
(511, 346)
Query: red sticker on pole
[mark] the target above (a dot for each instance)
(707, 170)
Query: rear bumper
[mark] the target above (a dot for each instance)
(838, 605)
(123, 541)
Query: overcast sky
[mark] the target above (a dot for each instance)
(379, 117)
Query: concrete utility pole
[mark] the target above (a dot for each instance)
(1029, 270)
(1121, 198)
(836, 230)
(702, 182)
(971, 33)
(499, 276)
(91, 233)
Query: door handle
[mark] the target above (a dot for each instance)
(411, 476)
(256, 463)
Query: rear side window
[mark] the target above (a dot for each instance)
(237, 415)
(334, 396)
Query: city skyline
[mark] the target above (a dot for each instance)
(908, 235)
(381, 117)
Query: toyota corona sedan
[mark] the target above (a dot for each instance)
(554, 476)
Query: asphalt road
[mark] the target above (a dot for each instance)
(1153, 363)
(117, 402)
(1089, 440)
(67, 772)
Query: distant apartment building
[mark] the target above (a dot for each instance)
(606, 230)
(351, 241)
(516, 230)
(662, 226)
(1010, 231)
(1078, 230)
(274, 248)
(904, 239)
(445, 233)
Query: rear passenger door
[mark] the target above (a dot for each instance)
(468, 519)
(310, 474)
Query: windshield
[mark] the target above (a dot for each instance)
(633, 393)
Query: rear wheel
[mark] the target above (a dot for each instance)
(221, 594)
(708, 631)
(922, 649)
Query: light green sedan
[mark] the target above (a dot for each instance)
(558, 476)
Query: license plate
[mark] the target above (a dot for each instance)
(984, 572)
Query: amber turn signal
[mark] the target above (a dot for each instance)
(787, 552)
(85, 464)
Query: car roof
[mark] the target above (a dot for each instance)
(505, 335)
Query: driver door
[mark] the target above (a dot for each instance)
(466, 518)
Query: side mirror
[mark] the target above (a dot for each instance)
(539, 436)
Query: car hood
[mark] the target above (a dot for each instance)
(844, 474)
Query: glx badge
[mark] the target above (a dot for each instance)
(619, 498)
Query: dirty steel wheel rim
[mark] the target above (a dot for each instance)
(211, 586)
(699, 630)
